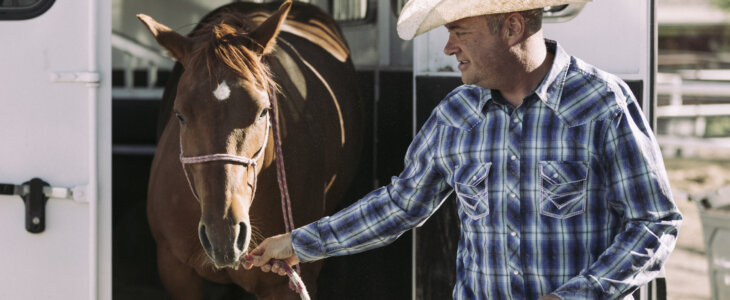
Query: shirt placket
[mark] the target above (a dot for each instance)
(512, 188)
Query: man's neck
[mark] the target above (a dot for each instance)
(534, 64)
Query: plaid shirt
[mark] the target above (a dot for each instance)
(565, 194)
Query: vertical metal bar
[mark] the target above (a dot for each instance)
(653, 50)
(130, 65)
(92, 26)
(414, 122)
(152, 75)
(384, 33)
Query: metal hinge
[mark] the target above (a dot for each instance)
(35, 194)
(76, 77)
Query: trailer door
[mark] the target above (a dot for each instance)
(55, 111)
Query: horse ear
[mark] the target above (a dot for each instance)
(265, 35)
(178, 45)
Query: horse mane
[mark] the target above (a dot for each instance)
(225, 43)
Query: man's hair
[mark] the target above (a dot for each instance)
(533, 20)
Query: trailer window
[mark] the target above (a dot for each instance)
(347, 10)
(23, 9)
(352, 11)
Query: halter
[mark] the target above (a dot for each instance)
(248, 162)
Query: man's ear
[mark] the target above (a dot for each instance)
(178, 45)
(265, 35)
(514, 28)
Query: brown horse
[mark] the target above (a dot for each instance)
(213, 181)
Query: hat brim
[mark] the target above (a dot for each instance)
(420, 16)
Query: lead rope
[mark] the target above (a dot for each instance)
(281, 172)
(295, 281)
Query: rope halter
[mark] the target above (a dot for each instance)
(250, 163)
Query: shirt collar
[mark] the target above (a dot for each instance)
(551, 87)
(460, 110)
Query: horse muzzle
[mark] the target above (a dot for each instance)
(225, 244)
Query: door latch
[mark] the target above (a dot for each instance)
(35, 194)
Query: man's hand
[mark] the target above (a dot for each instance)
(276, 247)
(549, 297)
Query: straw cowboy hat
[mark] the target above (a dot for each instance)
(419, 16)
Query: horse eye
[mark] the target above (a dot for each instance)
(263, 113)
(180, 118)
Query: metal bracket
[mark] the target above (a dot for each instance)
(35, 194)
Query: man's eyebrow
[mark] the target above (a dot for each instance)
(453, 26)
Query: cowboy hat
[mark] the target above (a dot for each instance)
(419, 16)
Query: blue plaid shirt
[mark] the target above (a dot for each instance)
(565, 194)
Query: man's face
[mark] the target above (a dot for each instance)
(480, 53)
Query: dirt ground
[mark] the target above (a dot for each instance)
(687, 267)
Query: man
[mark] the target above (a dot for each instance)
(561, 188)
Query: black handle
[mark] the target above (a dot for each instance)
(35, 206)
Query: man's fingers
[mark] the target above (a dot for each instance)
(276, 247)
(248, 261)
(258, 251)
(260, 261)
(276, 268)
(266, 267)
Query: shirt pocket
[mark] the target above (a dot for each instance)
(471, 185)
(563, 186)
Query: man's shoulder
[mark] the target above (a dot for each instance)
(590, 74)
(460, 108)
(591, 94)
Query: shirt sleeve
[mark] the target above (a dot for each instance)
(384, 214)
(638, 189)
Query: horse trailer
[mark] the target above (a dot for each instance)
(81, 84)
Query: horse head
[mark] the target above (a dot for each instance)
(222, 106)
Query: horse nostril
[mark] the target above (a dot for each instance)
(242, 229)
(204, 239)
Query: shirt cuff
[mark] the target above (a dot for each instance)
(307, 244)
(578, 287)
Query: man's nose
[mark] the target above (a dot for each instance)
(450, 48)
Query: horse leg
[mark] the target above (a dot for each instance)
(181, 281)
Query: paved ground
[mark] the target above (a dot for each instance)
(687, 268)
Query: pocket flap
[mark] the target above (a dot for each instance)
(471, 180)
(562, 172)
